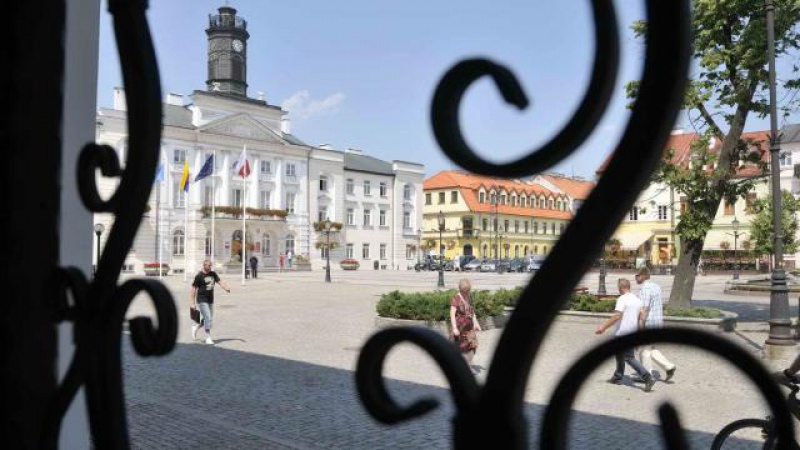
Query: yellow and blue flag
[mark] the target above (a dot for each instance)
(185, 178)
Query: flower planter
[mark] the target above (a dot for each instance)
(349, 264)
(151, 269)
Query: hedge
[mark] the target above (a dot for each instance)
(435, 306)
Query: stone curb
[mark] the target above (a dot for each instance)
(727, 323)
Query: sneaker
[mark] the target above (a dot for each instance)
(636, 378)
(209, 341)
(784, 379)
(194, 331)
(649, 383)
(670, 374)
(614, 380)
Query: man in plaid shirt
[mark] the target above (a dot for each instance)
(653, 313)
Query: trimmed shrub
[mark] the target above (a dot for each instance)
(434, 306)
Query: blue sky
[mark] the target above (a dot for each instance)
(361, 74)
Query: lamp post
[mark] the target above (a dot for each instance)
(499, 253)
(419, 245)
(327, 227)
(736, 234)
(99, 228)
(441, 250)
(601, 282)
(780, 327)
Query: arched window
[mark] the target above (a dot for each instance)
(544, 250)
(484, 250)
(265, 245)
(522, 201)
(516, 251)
(178, 242)
(290, 243)
(552, 203)
(559, 205)
(535, 249)
(208, 243)
(542, 202)
(526, 249)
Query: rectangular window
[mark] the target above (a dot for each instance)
(351, 219)
(495, 225)
(527, 227)
(364, 251)
(382, 189)
(492, 198)
(750, 203)
(237, 197)
(263, 199)
(553, 228)
(367, 217)
(323, 184)
(290, 170)
(409, 251)
(535, 227)
(522, 202)
(348, 251)
(290, 196)
(502, 199)
(485, 224)
(633, 214)
(383, 251)
(662, 212)
(406, 192)
(322, 214)
(406, 219)
(544, 227)
(441, 198)
(481, 197)
(729, 208)
(516, 226)
(786, 158)
(323, 253)
(382, 218)
(453, 196)
(505, 225)
(351, 187)
(178, 156)
(266, 167)
(428, 198)
(367, 189)
(513, 201)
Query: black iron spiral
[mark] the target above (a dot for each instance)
(492, 416)
(97, 308)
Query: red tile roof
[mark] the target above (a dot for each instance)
(577, 189)
(681, 144)
(469, 185)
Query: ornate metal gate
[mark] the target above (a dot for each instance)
(486, 417)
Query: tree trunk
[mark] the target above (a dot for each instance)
(685, 273)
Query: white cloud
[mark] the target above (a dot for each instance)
(302, 106)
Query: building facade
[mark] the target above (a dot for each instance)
(494, 218)
(291, 185)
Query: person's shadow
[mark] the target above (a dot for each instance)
(218, 341)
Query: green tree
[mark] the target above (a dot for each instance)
(761, 231)
(730, 82)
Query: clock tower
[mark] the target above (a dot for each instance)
(227, 53)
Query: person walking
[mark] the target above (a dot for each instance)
(254, 266)
(652, 317)
(281, 259)
(627, 313)
(464, 324)
(289, 256)
(202, 298)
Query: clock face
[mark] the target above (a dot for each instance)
(237, 45)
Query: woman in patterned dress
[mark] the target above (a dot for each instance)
(463, 322)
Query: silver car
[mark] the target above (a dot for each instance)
(475, 264)
(535, 262)
(489, 265)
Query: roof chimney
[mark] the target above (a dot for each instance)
(326, 146)
(119, 99)
(286, 126)
(261, 96)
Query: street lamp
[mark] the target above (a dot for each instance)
(499, 252)
(441, 250)
(419, 245)
(601, 282)
(780, 326)
(736, 234)
(99, 228)
(327, 227)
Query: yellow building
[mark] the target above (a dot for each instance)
(489, 217)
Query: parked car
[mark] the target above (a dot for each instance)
(428, 263)
(504, 265)
(463, 260)
(517, 265)
(449, 265)
(489, 265)
(475, 264)
(535, 262)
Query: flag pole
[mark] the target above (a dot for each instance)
(158, 228)
(213, 202)
(243, 172)
(185, 234)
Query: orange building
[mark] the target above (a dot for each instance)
(491, 217)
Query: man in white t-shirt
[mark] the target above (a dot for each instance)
(627, 314)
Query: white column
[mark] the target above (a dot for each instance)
(280, 201)
(252, 188)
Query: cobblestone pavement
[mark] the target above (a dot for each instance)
(281, 374)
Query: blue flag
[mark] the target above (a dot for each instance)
(160, 173)
(207, 170)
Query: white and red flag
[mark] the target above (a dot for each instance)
(242, 166)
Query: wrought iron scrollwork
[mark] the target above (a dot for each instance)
(98, 308)
(492, 417)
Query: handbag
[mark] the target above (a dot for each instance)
(195, 315)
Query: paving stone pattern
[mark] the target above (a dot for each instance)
(281, 374)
